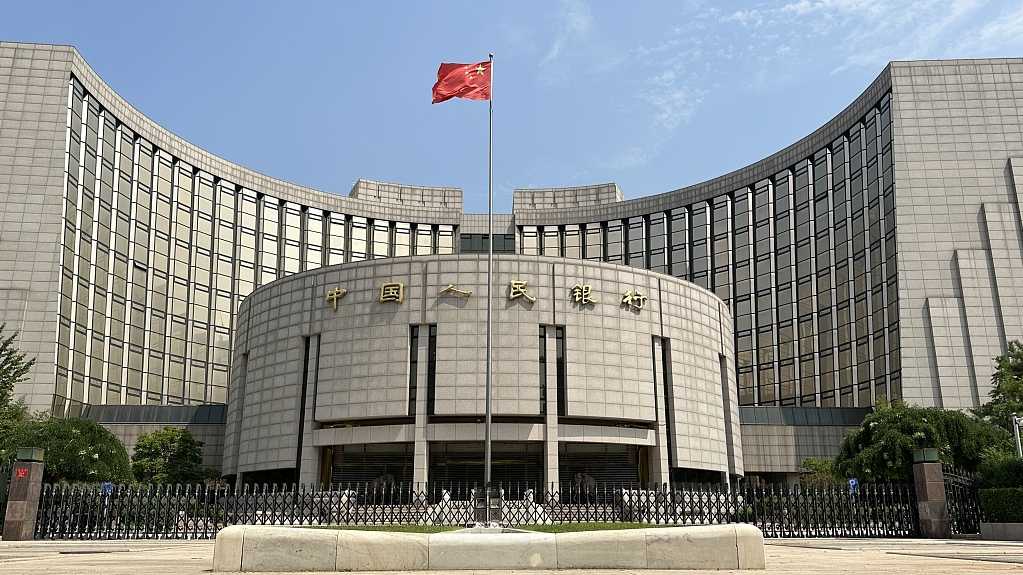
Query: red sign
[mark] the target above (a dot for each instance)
(22, 472)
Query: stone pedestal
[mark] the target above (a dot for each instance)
(23, 501)
(930, 501)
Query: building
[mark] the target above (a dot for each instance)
(878, 256)
(623, 374)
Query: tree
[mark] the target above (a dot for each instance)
(1007, 387)
(77, 450)
(881, 450)
(823, 471)
(170, 455)
(13, 367)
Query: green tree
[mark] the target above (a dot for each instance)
(881, 450)
(823, 471)
(77, 450)
(169, 455)
(1007, 387)
(13, 367)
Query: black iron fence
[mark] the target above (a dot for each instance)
(867, 510)
(5, 485)
(962, 493)
(199, 511)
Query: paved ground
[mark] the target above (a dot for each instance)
(784, 557)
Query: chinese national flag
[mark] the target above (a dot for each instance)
(462, 81)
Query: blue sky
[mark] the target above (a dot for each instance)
(653, 96)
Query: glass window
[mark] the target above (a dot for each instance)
(613, 252)
(530, 240)
(551, 242)
(360, 239)
(636, 233)
(402, 239)
(573, 242)
(336, 239)
(381, 239)
(314, 239)
(424, 239)
(594, 242)
(445, 239)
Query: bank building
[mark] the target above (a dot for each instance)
(723, 330)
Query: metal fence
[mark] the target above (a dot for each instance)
(5, 485)
(867, 510)
(962, 493)
(150, 511)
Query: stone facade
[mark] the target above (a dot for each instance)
(365, 383)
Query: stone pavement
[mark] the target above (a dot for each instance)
(784, 557)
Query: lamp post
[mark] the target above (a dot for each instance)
(1016, 422)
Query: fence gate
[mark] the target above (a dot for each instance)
(962, 492)
(5, 486)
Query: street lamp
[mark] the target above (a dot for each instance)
(1016, 422)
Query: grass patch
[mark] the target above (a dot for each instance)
(573, 527)
(392, 528)
(561, 528)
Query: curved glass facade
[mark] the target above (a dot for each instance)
(805, 259)
(157, 254)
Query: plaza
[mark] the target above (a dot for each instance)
(784, 557)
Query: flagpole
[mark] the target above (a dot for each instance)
(490, 300)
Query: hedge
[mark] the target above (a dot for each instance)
(1001, 472)
(1002, 505)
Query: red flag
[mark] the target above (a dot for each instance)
(462, 81)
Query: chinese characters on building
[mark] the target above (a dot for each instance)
(392, 291)
(451, 289)
(517, 289)
(582, 294)
(634, 299)
(336, 294)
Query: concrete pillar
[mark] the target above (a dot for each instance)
(23, 500)
(660, 466)
(310, 456)
(421, 453)
(930, 500)
(552, 440)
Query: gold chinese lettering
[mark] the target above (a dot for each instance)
(336, 294)
(635, 300)
(583, 294)
(517, 289)
(453, 290)
(392, 291)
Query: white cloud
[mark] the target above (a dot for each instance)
(573, 22)
(631, 157)
(577, 46)
(673, 104)
(1002, 33)
(778, 43)
(746, 18)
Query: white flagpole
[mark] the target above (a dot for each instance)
(490, 299)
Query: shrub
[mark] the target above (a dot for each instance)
(1000, 469)
(1002, 505)
(170, 455)
(77, 450)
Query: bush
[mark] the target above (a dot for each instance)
(821, 471)
(1002, 505)
(1000, 469)
(77, 450)
(170, 455)
(881, 450)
